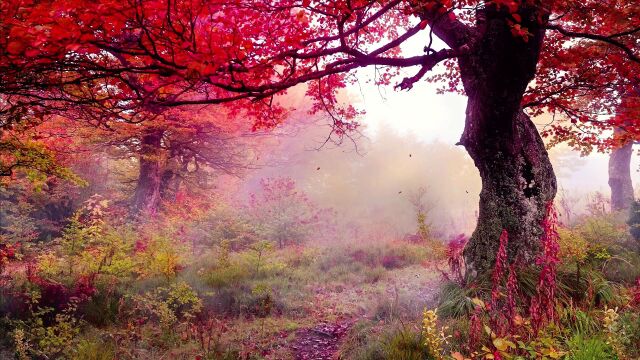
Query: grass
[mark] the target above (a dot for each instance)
(261, 306)
(368, 340)
(253, 306)
(455, 301)
(583, 348)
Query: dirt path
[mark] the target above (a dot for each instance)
(320, 342)
(418, 287)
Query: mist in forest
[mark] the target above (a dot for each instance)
(370, 177)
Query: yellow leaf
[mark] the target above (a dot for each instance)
(500, 344)
(478, 302)
(554, 354)
(489, 332)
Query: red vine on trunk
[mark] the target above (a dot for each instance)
(499, 268)
(542, 307)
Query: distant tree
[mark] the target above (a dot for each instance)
(567, 204)
(422, 209)
(285, 215)
(178, 152)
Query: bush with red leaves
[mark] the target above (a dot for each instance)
(542, 307)
(7, 253)
(455, 257)
(503, 304)
(58, 296)
(635, 299)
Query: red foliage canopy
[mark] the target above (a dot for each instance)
(123, 60)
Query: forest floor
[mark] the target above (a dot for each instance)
(316, 296)
(335, 307)
(320, 342)
(404, 291)
(300, 303)
(329, 301)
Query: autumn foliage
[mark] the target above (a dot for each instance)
(127, 229)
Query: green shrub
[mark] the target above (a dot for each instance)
(411, 254)
(605, 292)
(101, 309)
(232, 275)
(604, 230)
(300, 257)
(95, 349)
(404, 305)
(33, 338)
(345, 273)
(630, 322)
(455, 301)
(388, 309)
(405, 345)
(580, 322)
(257, 300)
(582, 348)
(223, 355)
(365, 341)
(165, 306)
(330, 260)
(226, 301)
(261, 301)
(459, 330)
(373, 275)
(623, 266)
(592, 287)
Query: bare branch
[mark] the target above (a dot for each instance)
(610, 39)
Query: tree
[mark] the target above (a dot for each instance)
(171, 149)
(622, 194)
(422, 209)
(177, 149)
(620, 174)
(285, 215)
(245, 52)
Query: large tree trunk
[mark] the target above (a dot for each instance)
(146, 198)
(171, 179)
(517, 183)
(517, 177)
(620, 176)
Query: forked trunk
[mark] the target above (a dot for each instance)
(517, 177)
(620, 176)
(147, 195)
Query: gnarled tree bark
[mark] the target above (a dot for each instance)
(517, 177)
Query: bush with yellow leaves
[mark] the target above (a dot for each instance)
(434, 337)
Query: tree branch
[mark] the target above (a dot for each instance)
(603, 38)
(449, 29)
